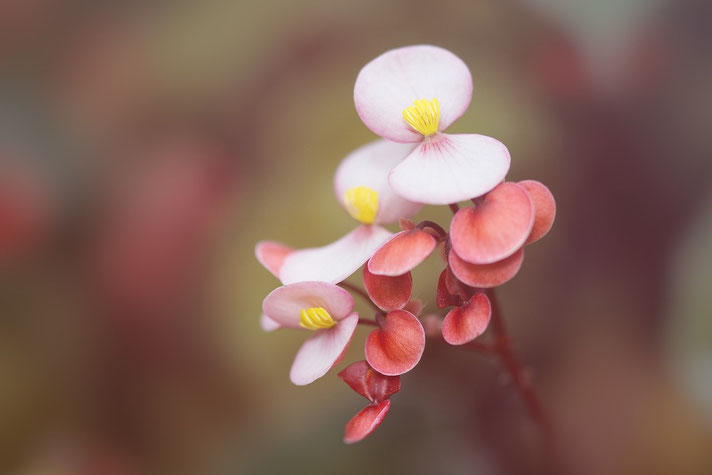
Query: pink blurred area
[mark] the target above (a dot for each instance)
(145, 147)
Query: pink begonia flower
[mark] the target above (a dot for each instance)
(375, 387)
(362, 188)
(320, 306)
(476, 234)
(411, 95)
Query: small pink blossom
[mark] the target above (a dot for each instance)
(411, 95)
(292, 306)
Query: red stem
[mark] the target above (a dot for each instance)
(435, 227)
(514, 367)
(454, 207)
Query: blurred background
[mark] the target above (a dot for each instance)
(145, 147)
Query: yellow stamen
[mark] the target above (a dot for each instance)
(315, 318)
(362, 203)
(423, 116)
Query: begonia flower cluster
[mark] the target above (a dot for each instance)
(408, 96)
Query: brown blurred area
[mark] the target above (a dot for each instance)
(145, 147)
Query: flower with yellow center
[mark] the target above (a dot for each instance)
(320, 306)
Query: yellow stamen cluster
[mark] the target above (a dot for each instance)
(315, 318)
(362, 203)
(423, 116)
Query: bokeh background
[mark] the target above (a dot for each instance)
(145, 147)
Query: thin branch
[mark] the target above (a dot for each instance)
(514, 367)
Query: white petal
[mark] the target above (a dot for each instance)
(336, 261)
(450, 168)
(322, 351)
(369, 166)
(393, 81)
(268, 324)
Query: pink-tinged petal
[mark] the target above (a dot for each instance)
(388, 293)
(268, 324)
(450, 168)
(369, 383)
(495, 228)
(402, 253)
(486, 275)
(271, 255)
(322, 351)
(463, 324)
(284, 304)
(336, 261)
(397, 346)
(396, 79)
(369, 166)
(366, 421)
(544, 209)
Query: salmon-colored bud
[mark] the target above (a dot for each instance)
(465, 323)
(366, 421)
(495, 228)
(486, 275)
(544, 209)
(402, 253)
(369, 383)
(397, 346)
(388, 293)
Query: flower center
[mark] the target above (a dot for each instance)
(423, 116)
(315, 318)
(362, 203)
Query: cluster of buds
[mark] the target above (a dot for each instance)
(407, 96)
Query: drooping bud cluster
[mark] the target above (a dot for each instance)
(408, 96)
